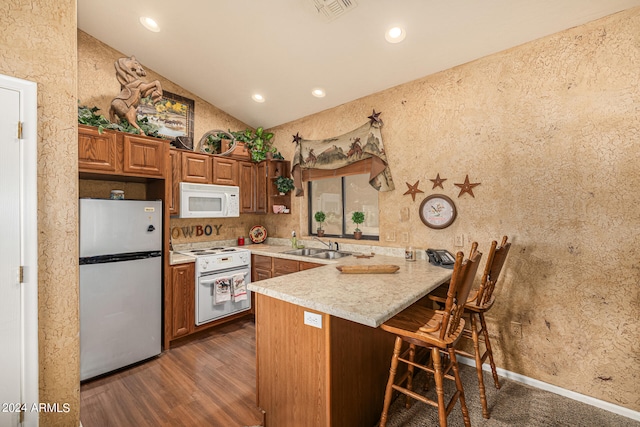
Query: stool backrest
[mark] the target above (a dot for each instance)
(493, 267)
(459, 287)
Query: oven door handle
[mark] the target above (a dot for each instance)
(208, 281)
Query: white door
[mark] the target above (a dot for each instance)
(9, 256)
(16, 250)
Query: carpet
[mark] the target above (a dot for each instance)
(514, 404)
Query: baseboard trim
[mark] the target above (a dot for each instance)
(616, 409)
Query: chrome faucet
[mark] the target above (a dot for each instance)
(329, 245)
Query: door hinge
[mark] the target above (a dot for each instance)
(19, 130)
(21, 274)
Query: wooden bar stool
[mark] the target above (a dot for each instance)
(476, 306)
(434, 330)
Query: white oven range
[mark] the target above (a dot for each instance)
(221, 278)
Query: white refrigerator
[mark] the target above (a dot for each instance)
(120, 283)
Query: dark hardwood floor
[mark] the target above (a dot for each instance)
(207, 381)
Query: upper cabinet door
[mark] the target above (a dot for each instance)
(174, 188)
(225, 171)
(196, 168)
(97, 152)
(144, 156)
(261, 187)
(246, 181)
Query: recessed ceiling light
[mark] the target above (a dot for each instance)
(395, 35)
(318, 92)
(149, 24)
(257, 97)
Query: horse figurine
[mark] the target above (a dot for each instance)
(132, 89)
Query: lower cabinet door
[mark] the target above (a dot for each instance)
(182, 299)
(283, 266)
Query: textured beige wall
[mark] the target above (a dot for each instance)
(39, 44)
(551, 131)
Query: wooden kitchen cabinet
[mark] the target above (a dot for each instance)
(195, 167)
(282, 266)
(261, 184)
(306, 265)
(225, 171)
(175, 176)
(252, 179)
(265, 267)
(122, 154)
(182, 299)
(261, 267)
(143, 156)
(97, 152)
(258, 192)
(276, 168)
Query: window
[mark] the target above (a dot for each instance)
(338, 198)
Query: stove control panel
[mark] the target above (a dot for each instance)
(222, 261)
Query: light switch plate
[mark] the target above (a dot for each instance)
(313, 319)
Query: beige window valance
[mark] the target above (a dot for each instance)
(358, 151)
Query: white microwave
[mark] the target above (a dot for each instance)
(209, 201)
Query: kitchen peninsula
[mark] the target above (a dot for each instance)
(321, 358)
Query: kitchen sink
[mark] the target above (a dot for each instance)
(306, 251)
(331, 254)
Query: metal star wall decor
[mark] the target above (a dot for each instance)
(297, 138)
(467, 187)
(413, 190)
(438, 182)
(375, 118)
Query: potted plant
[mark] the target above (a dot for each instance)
(258, 142)
(284, 184)
(320, 217)
(357, 218)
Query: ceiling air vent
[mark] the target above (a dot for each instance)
(332, 9)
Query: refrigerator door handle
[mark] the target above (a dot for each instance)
(131, 256)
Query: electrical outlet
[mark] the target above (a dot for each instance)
(313, 319)
(516, 329)
(459, 241)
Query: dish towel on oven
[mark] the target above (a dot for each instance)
(222, 290)
(239, 287)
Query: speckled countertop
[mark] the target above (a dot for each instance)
(178, 258)
(368, 299)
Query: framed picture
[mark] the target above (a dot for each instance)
(173, 114)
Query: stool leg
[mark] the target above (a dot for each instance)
(392, 375)
(456, 373)
(439, 377)
(425, 387)
(476, 350)
(487, 343)
(412, 355)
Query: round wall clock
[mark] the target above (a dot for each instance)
(437, 211)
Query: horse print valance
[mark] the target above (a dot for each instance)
(333, 153)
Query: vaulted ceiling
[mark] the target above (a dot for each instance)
(226, 50)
